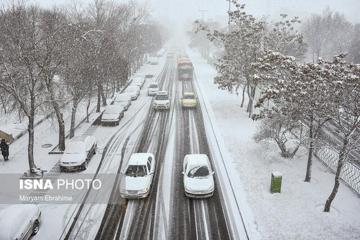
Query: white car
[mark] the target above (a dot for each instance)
(78, 153)
(133, 91)
(124, 100)
(19, 221)
(112, 114)
(138, 82)
(138, 176)
(198, 176)
(153, 61)
(153, 89)
(149, 75)
(161, 101)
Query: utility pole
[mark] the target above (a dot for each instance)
(229, 12)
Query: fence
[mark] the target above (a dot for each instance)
(350, 173)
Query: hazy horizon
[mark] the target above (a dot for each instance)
(182, 11)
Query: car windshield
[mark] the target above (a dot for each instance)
(153, 86)
(188, 96)
(136, 171)
(161, 97)
(198, 172)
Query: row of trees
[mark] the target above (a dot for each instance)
(297, 98)
(314, 94)
(50, 58)
(329, 34)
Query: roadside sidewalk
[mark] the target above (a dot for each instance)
(46, 137)
(296, 213)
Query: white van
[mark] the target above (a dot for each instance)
(153, 89)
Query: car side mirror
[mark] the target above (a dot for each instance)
(212, 173)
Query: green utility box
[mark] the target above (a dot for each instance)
(276, 178)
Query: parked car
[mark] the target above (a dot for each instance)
(112, 115)
(78, 153)
(160, 53)
(161, 101)
(133, 91)
(188, 100)
(153, 89)
(138, 82)
(19, 221)
(198, 176)
(138, 176)
(149, 75)
(124, 100)
(153, 61)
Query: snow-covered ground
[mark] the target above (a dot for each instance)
(46, 133)
(295, 213)
(56, 217)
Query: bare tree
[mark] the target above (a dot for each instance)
(327, 34)
(52, 24)
(21, 77)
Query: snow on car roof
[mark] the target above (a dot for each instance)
(139, 158)
(197, 159)
(111, 109)
(162, 93)
(189, 93)
(75, 147)
(14, 217)
(122, 96)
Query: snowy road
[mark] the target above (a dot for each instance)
(193, 218)
(166, 213)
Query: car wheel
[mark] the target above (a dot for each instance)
(36, 227)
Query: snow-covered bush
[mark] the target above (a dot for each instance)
(281, 130)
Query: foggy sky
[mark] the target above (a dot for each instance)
(179, 11)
